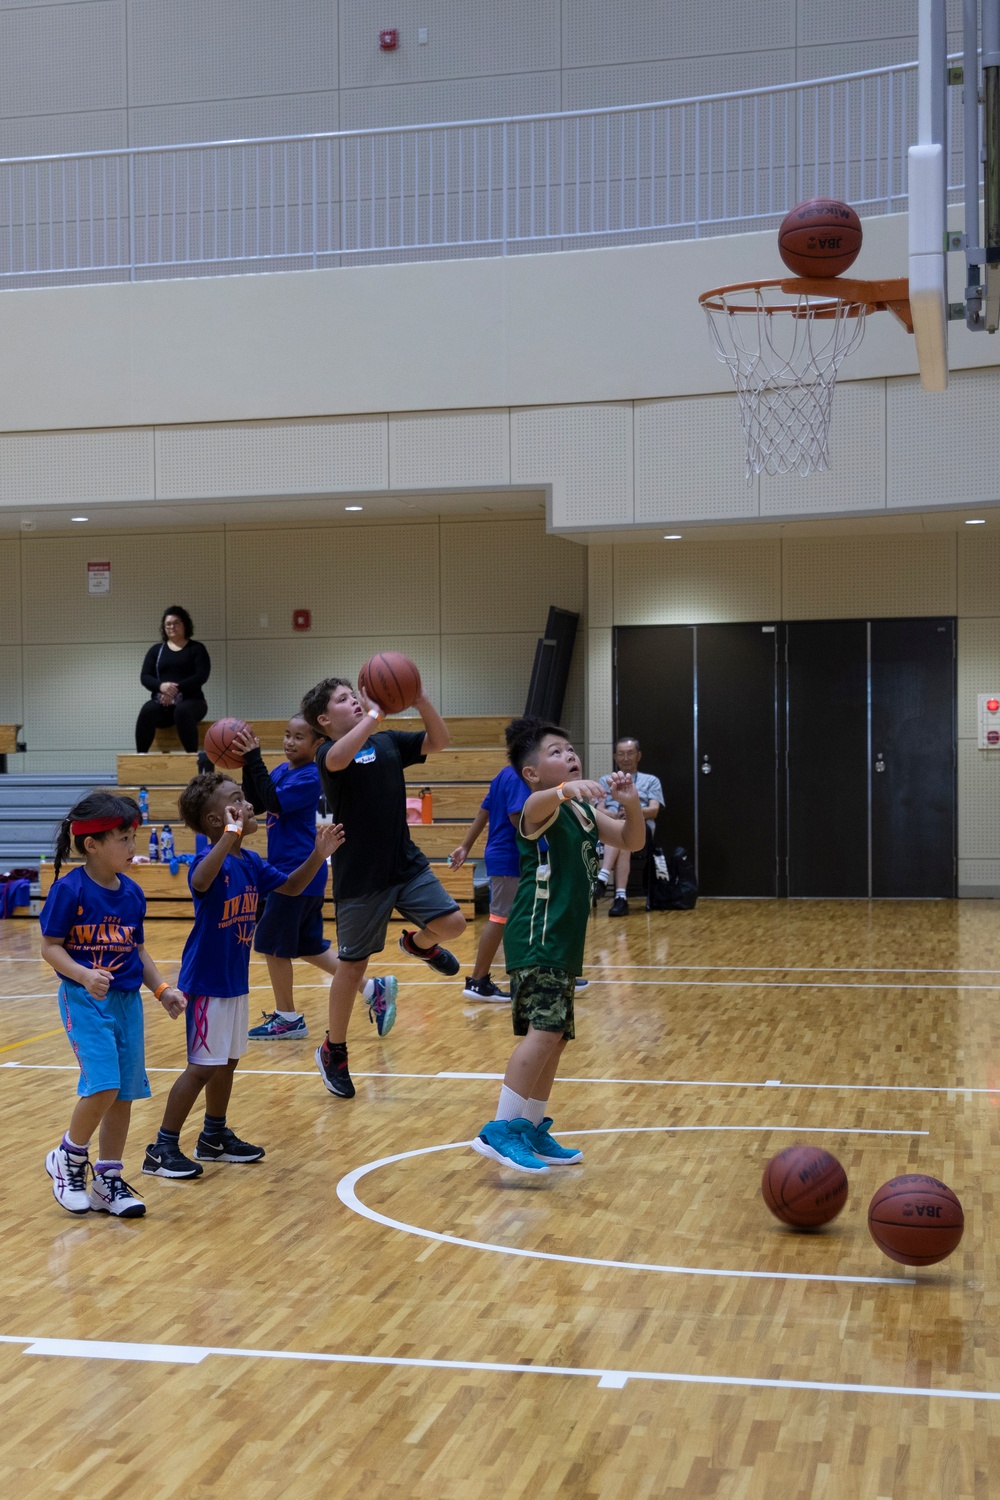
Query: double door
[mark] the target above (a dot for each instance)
(811, 758)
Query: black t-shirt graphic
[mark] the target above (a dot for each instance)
(369, 798)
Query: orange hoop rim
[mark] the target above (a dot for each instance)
(848, 296)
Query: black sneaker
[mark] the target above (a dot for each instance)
(226, 1147)
(169, 1161)
(485, 989)
(439, 958)
(333, 1071)
(618, 907)
(601, 889)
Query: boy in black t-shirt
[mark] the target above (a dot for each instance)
(379, 867)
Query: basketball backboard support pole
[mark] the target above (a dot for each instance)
(981, 119)
(927, 202)
(991, 163)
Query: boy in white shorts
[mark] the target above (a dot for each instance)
(226, 882)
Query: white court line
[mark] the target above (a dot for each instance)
(607, 1379)
(348, 1196)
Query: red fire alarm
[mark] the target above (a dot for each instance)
(301, 619)
(388, 40)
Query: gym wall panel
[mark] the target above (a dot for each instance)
(355, 580)
(267, 458)
(235, 119)
(668, 486)
(45, 468)
(294, 666)
(978, 802)
(148, 573)
(450, 99)
(978, 672)
(855, 480)
(600, 687)
(600, 585)
(62, 58)
(10, 592)
(523, 571)
(978, 572)
(923, 469)
(854, 57)
(690, 583)
(486, 674)
(49, 135)
(586, 453)
(603, 31)
(600, 760)
(98, 764)
(431, 450)
(978, 877)
(851, 577)
(643, 82)
(497, 36)
(11, 700)
(854, 20)
(181, 50)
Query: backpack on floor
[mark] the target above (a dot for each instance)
(670, 883)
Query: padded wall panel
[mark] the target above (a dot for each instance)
(691, 583)
(600, 585)
(851, 577)
(667, 486)
(856, 479)
(272, 458)
(978, 802)
(585, 452)
(51, 135)
(46, 468)
(235, 119)
(977, 873)
(62, 58)
(450, 99)
(645, 82)
(978, 571)
(61, 689)
(978, 670)
(442, 448)
(603, 31)
(600, 687)
(11, 702)
(181, 50)
(515, 36)
(600, 760)
(855, 20)
(527, 571)
(486, 674)
(923, 470)
(10, 592)
(294, 666)
(355, 580)
(148, 573)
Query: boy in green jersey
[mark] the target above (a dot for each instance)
(545, 932)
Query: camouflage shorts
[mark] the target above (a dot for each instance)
(542, 998)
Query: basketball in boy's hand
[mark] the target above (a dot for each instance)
(915, 1220)
(219, 739)
(391, 680)
(804, 1186)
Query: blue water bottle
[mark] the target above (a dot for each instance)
(144, 804)
(154, 847)
(166, 844)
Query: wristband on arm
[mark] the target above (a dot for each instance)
(160, 988)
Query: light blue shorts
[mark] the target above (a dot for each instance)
(107, 1038)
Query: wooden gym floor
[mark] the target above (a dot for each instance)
(375, 1311)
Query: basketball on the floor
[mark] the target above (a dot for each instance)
(820, 238)
(804, 1186)
(391, 680)
(915, 1220)
(219, 739)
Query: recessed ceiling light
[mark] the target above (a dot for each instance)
(354, 507)
(975, 523)
(674, 536)
(79, 518)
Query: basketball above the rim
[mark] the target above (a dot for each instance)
(820, 238)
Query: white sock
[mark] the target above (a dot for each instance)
(511, 1106)
(368, 989)
(605, 875)
(535, 1110)
(72, 1146)
(288, 1015)
(620, 891)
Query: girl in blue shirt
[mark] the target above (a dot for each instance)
(92, 934)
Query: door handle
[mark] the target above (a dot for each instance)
(706, 768)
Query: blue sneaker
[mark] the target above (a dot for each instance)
(382, 1005)
(547, 1148)
(277, 1028)
(581, 983)
(506, 1141)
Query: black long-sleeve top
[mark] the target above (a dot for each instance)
(190, 668)
(258, 788)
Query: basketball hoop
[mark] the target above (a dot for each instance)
(784, 342)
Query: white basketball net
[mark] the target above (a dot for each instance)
(784, 351)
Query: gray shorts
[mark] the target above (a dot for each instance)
(362, 921)
(503, 889)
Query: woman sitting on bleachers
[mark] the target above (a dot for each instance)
(175, 672)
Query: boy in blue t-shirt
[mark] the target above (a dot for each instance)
(292, 926)
(226, 882)
(501, 808)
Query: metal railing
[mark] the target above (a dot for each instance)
(679, 170)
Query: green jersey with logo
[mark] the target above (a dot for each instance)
(547, 925)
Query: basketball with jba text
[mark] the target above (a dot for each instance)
(391, 680)
(219, 739)
(916, 1220)
(804, 1186)
(821, 237)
